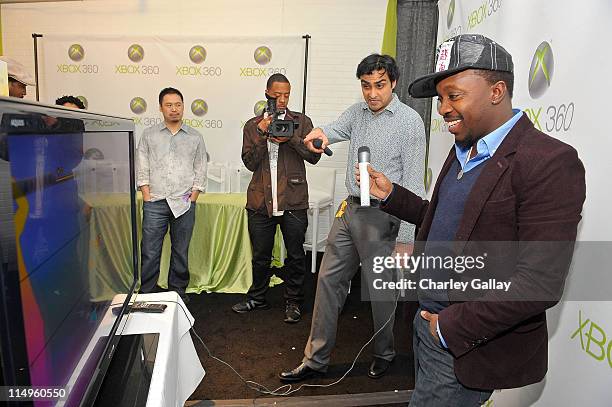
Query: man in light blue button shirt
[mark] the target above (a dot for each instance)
(395, 135)
(171, 173)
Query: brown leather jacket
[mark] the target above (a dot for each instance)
(292, 189)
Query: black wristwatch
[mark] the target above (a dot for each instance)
(261, 132)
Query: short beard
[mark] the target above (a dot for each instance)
(465, 144)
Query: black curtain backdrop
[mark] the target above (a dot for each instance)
(417, 27)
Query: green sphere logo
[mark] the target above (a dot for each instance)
(76, 52)
(451, 14)
(259, 107)
(199, 107)
(262, 55)
(197, 54)
(84, 100)
(138, 105)
(135, 53)
(541, 70)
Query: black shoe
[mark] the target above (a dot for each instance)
(302, 372)
(378, 368)
(248, 306)
(292, 313)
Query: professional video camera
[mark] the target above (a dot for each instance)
(278, 127)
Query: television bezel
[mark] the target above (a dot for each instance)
(98, 123)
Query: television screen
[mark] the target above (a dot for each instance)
(62, 173)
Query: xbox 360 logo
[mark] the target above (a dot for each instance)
(541, 70)
(262, 55)
(428, 178)
(84, 100)
(76, 52)
(135, 53)
(93, 154)
(138, 105)
(199, 107)
(259, 107)
(197, 54)
(451, 14)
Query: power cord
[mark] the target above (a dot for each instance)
(288, 388)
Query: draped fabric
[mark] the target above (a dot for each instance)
(219, 254)
(417, 22)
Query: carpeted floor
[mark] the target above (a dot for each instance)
(259, 345)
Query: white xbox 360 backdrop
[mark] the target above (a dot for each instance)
(560, 65)
(343, 32)
(222, 79)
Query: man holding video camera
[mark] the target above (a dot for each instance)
(273, 149)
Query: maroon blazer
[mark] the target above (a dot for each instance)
(531, 190)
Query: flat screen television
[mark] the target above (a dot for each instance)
(58, 281)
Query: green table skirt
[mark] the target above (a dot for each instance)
(219, 254)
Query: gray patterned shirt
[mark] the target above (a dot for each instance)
(396, 138)
(172, 166)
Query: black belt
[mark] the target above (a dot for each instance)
(374, 203)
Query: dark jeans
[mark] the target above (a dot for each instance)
(156, 218)
(436, 383)
(262, 229)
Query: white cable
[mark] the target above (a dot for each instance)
(277, 392)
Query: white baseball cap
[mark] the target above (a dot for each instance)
(18, 72)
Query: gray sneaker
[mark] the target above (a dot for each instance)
(249, 305)
(292, 313)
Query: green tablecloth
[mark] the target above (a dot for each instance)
(219, 254)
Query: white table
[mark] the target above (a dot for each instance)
(177, 371)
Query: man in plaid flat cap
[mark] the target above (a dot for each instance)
(508, 190)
